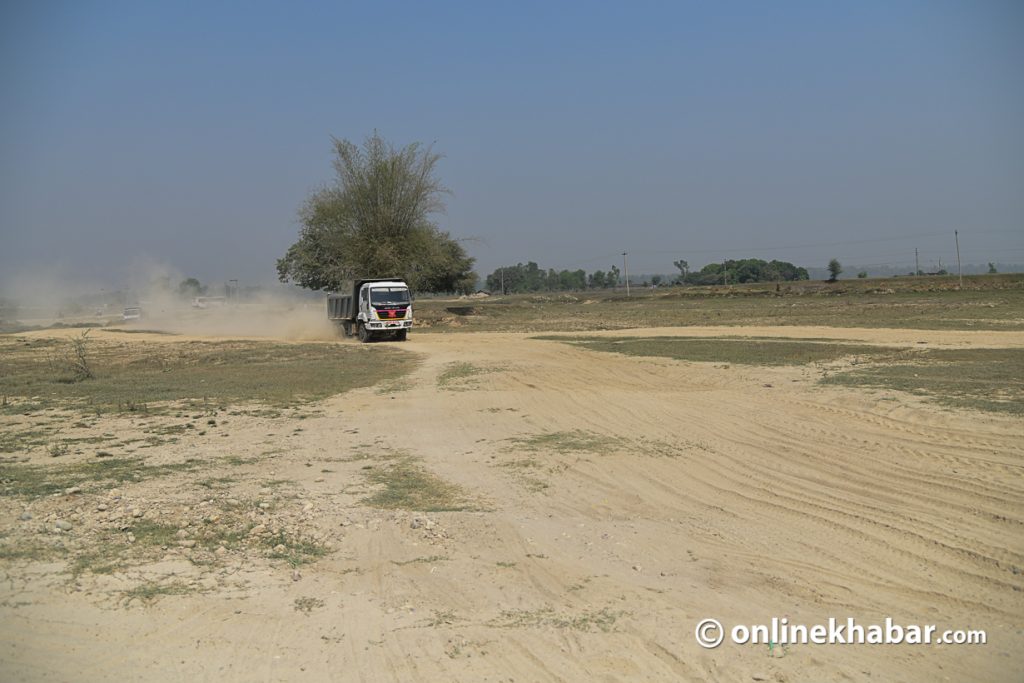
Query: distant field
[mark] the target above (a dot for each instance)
(987, 302)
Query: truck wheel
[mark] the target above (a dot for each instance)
(346, 328)
(364, 334)
(402, 335)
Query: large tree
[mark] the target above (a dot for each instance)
(374, 221)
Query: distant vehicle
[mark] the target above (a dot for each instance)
(371, 308)
(132, 313)
(209, 301)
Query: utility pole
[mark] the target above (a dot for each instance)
(917, 263)
(502, 271)
(625, 269)
(960, 272)
(725, 275)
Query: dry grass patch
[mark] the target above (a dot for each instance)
(600, 620)
(982, 379)
(140, 376)
(406, 485)
(741, 351)
(33, 481)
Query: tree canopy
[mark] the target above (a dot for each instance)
(374, 221)
(740, 271)
(834, 269)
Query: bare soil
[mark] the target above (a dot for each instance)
(519, 509)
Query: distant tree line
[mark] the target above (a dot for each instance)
(520, 279)
(530, 277)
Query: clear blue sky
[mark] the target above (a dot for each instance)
(189, 133)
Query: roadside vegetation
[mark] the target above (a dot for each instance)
(150, 376)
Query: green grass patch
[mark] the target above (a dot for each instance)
(20, 440)
(103, 561)
(216, 483)
(460, 376)
(151, 533)
(307, 604)
(33, 481)
(600, 620)
(727, 349)
(565, 442)
(294, 550)
(32, 551)
(420, 560)
(983, 379)
(408, 486)
(149, 591)
(141, 376)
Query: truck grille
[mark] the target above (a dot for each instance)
(391, 313)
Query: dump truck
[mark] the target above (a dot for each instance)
(372, 308)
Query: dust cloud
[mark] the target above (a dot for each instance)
(153, 301)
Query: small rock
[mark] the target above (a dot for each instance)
(296, 575)
(318, 480)
(233, 502)
(280, 549)
(25, 516)
(73, 490)
(137, 512)
(637, 568)
(102, 507)
(221, 550)
(264, 506)
(64, 525)
(182, 533)
(131, 537)
(257, 530)
(759, 677)
(187, 544)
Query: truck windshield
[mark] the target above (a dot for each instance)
(380, 296)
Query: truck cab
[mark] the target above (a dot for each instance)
(373, 308)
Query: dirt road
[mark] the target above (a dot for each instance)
(614, 502)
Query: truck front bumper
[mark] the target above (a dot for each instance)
(388, 324)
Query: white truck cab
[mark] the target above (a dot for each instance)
(373, 308)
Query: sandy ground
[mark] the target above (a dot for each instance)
(735, 493)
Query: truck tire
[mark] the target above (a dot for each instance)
(346, 328)
(401, 335)
(364, 334)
